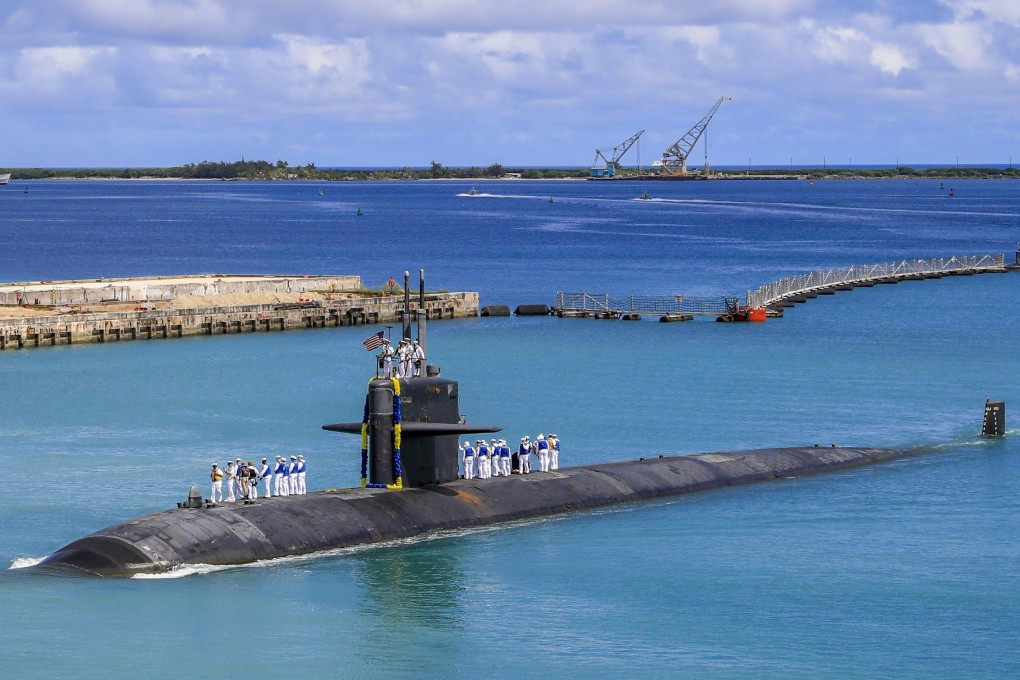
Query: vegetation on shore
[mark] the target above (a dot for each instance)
(282, 170)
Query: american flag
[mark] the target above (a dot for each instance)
(373, 341)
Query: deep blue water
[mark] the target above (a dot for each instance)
(906, 569)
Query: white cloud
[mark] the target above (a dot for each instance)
(962, 45)
(1004, 11)
(889, 58)
(45, 74)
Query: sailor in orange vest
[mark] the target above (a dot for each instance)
(217, 484)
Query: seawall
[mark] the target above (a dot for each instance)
(113, 310)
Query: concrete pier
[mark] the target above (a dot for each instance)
(112, 310)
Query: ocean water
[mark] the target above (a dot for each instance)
(900, 570)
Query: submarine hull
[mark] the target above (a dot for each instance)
(232, 534)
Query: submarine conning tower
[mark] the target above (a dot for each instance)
(425, 411)
(411, 425)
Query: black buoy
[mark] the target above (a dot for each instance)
(995, 419)
(532, 310)
(495, 310)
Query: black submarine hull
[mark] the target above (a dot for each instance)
(234, 534)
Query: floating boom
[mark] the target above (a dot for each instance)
(674, 159)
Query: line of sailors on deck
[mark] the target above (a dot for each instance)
(494, 457)
(410, 359)
(242, 479)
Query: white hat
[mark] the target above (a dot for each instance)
(541, 436)
(300, 457)
(293, 457)
(264, 460)
(524, 439)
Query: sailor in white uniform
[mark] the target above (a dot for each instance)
(386, 359)
(229, 479)
(469, 460)
(554, 452)
(266, 475)
(418, 359)
(484, 467)
(543, 453)
(404, 359)
(292, 478)
(281, 478)
(494, 457)
(301, 474)
(504, 457)
(524, 455)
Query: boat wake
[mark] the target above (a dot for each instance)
(485, 195)
(25, 562)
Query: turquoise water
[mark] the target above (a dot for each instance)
(905, 569)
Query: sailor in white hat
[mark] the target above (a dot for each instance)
(468, 454)
(266, 475)
(484, 466)
(404, 359)
(554, 452)
(524, 455)
(494, 457)
(542, 446)
(301, 474)
(504, 458)
(418, 359)
(281, 476)
(386, 359)
(229, 477)
(292, 477)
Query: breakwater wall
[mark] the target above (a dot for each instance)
(64, 329)
(163, 288)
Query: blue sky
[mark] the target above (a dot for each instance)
(519, 82)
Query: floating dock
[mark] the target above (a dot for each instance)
(48, 313)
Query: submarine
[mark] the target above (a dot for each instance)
(410, 486)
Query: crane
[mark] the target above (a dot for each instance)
(615, 154)
(674, 159)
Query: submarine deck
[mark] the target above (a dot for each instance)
(338, 518)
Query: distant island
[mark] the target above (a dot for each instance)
(283, 171)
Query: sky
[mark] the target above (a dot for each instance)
(355, 83)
